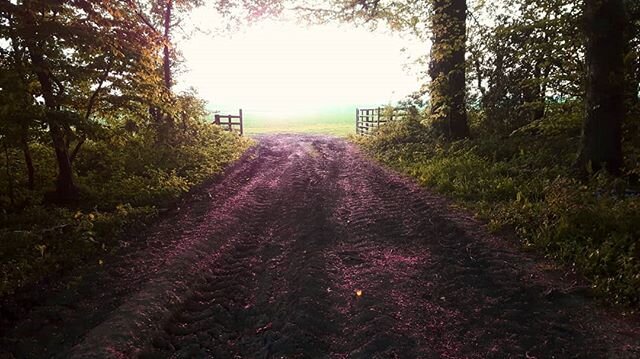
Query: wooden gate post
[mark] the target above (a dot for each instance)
(241, 121)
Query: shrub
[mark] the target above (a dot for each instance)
(525, 182)
(124, 178)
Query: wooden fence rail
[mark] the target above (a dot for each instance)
(227, 122)
(369, 119)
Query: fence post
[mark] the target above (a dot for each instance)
(217, 120)
(241, 123)
(367, 122)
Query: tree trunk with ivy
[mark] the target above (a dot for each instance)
(447, 68)
(604, 103)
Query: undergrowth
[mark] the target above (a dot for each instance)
(525, 182)
(125, 180)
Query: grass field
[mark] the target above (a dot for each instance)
(338, 122)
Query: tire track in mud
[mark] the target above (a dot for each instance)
(317, 252)
(241, 223)
(375, 258)
(48, 324)
(454, 292)
(277, 307)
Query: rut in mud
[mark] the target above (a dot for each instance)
(268, 262)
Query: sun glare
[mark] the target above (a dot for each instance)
(284, 69)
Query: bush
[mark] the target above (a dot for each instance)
(525, 182)
(41, 242)
(124, 178)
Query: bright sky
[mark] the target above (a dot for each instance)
(285, 68)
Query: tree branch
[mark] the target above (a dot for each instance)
(140, 15)
(94, 96)
(90, 105)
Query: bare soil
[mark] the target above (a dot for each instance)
(307, 249)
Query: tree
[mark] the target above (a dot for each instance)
(34, 41)
(521, 60)
(605, 23)
(163, 17)
(167, 19)
(81, 53)
(447, 68)
(445, 20)
(19, 113)
(632, 55)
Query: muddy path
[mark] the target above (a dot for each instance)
(306, 249)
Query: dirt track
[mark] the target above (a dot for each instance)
(266, 262)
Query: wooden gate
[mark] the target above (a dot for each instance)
(368, 119)
(227, 122)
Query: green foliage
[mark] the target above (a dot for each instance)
(125, 176)
(40, 242)
(525, 182)
(596, 227)
(83, 101)
(528, 55)
(134, 169)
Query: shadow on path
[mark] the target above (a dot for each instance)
(306, 249)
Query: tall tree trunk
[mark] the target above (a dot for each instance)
(447, 68)
(633, 12)
(632, 58)
(602, 129)
(632, 76)
(9, 174)
(66, 190)
(631, 124)
(24, 135)
(24, 140)
(164, 122)
(535, 93)
(166, 60)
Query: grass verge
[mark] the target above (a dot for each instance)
(524, 182)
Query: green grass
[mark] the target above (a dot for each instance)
(338, 122)
(525, 183)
